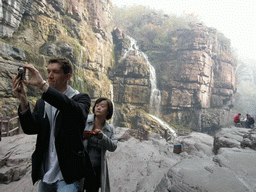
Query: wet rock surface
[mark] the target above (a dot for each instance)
(151, 165)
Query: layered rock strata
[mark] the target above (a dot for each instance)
(197, 81)
(34, 31)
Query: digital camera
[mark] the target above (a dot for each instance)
(21, 73)
(88, 134)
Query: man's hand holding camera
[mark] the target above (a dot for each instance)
(19, 81)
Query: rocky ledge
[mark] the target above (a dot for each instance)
(151, 164)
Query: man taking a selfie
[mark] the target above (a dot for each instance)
(59, 160)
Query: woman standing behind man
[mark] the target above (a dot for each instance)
(98, 138)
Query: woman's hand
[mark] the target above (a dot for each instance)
(98, 133)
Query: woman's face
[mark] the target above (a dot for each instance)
(101, 109)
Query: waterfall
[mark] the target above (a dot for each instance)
(171, 132)
(155, 95)
(133, 47)
(81, 58)
(112, 99)
(112, 93)
(103, 57)
(100, 55)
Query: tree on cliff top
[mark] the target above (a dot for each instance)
(154, 30)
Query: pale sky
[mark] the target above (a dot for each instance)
(236, 19)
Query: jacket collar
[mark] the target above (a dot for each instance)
(90, 120)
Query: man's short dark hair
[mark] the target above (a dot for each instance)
(65, 63)
(239, 113)
(110, 106)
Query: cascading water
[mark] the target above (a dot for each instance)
(133, 47)
(155, 96)
(112, 93)
(172, 133)
(112, 99)
(103, 57)
(81, 58)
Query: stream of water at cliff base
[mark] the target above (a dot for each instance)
(164, 124)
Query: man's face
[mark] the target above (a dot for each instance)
(56, 77)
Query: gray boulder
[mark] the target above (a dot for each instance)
(15, 163)
(151, 165)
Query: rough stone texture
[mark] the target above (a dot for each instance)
(9, 52)
(131, 82)
(11, 14)
(200, 78)
(249, 140)
(151, 165)
(15, 163)
(131, 73)
(36, 30)
(198, 144)
(15, 158)
(235, 137)
(197, 80)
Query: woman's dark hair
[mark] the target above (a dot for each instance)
(65, 63)
(110, 106)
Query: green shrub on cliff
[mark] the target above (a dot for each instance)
(151, 28)
(156, 32)
(223, 40)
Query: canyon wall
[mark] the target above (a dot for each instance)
(34, 31)
(199, 89)
(197, 81)
(195, 84)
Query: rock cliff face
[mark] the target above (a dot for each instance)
(130, 81)
(197, 81)
(202, 78)
(194, 85)
(34, 31)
